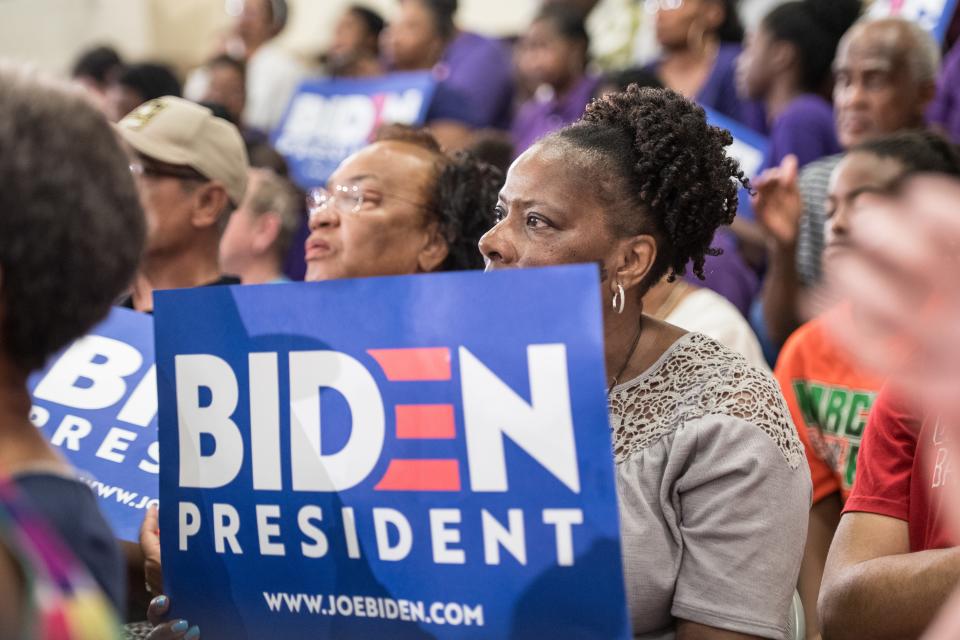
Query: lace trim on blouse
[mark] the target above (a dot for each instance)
(696, 377)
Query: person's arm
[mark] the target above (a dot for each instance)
(137, 597)
(781, 291)
(687, 630)
(873, 587)
(824, 517)
(778, 208)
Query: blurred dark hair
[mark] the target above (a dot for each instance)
(814, 28)
(150, 80)
(99, 63)
(279, 14)
(620, 80)
(71, 226)
(918, 151)
(224, 60)
(443, 12)
(219, 111)
(370, 18)
(567, 21)
(732, 28)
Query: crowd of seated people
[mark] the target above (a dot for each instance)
(748, 417)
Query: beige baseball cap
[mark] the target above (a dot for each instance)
(177, 131)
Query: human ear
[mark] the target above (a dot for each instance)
(210, 200)
(638, 255)
(434, 251)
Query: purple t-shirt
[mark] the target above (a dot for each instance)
(945, 108)
(728, 274)
(480, 70)
(539, 116)
(719, 91)
(806, 129)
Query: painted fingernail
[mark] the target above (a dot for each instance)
(160, 601)
(193, 633)
(179, 626)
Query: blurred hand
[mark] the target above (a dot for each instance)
(172, 630)
(777, 204)
(902, 277)
(150, 545)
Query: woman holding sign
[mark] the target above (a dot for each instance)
(713, 488)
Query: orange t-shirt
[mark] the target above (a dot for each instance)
(829, 396)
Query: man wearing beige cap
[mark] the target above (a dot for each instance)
(191, 173)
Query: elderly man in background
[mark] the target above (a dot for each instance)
(886, 73)
(261, 230)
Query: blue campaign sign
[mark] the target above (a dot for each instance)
(327, 120)
(96, 402)
(932, 15)
(749, 148)
(407, 457)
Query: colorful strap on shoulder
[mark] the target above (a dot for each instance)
(65, 602)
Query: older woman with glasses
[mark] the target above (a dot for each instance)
(400, 206)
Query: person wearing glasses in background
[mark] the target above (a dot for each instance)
(191, 173)
(400, 206)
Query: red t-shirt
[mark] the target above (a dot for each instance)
(904, 470)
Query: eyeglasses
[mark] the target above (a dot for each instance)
(140, 169)
(653, 6)
(347, 200)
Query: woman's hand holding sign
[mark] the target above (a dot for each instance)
(172, 630)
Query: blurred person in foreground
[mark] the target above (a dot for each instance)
(829, 392)
(258, 236)
(885, 73)
(903, 280)
(71, 233)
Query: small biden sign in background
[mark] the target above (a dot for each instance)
(410, 457)
(327, 120)
(96, 403)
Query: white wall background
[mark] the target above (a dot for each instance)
(50, 33)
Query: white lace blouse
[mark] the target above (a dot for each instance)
(714, 493)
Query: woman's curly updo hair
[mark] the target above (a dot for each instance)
(660, 169)
(463, 198)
